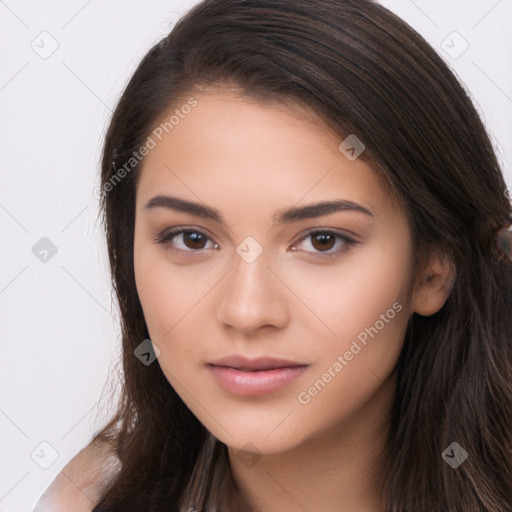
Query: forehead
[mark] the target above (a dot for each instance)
(228, 146)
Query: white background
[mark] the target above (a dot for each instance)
(59, 331)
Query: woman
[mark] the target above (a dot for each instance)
(307, 229)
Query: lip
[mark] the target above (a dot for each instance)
(242, 376)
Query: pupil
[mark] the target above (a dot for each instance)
(326, 241)
(195, 239)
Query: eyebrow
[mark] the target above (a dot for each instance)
(285, 216)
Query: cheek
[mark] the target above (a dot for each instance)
(163, 297)
(367, 313)
(343, 300)
(360, 322)
(172, 299)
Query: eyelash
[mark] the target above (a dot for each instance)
(166, 237)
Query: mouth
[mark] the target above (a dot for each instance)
(256, 377)
(249, 370)
(245, 364)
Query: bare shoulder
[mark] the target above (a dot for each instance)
(80, 483)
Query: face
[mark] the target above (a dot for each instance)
(238, 261)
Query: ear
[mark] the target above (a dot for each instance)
(433, 284)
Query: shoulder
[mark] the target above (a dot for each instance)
(80, 483)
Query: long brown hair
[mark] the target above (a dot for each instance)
(367, 72)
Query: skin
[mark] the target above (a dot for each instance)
(250, 160)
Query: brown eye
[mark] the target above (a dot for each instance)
(323, 241)
(186, 240)
(194, 240)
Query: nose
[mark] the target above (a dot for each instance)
(252, 297)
